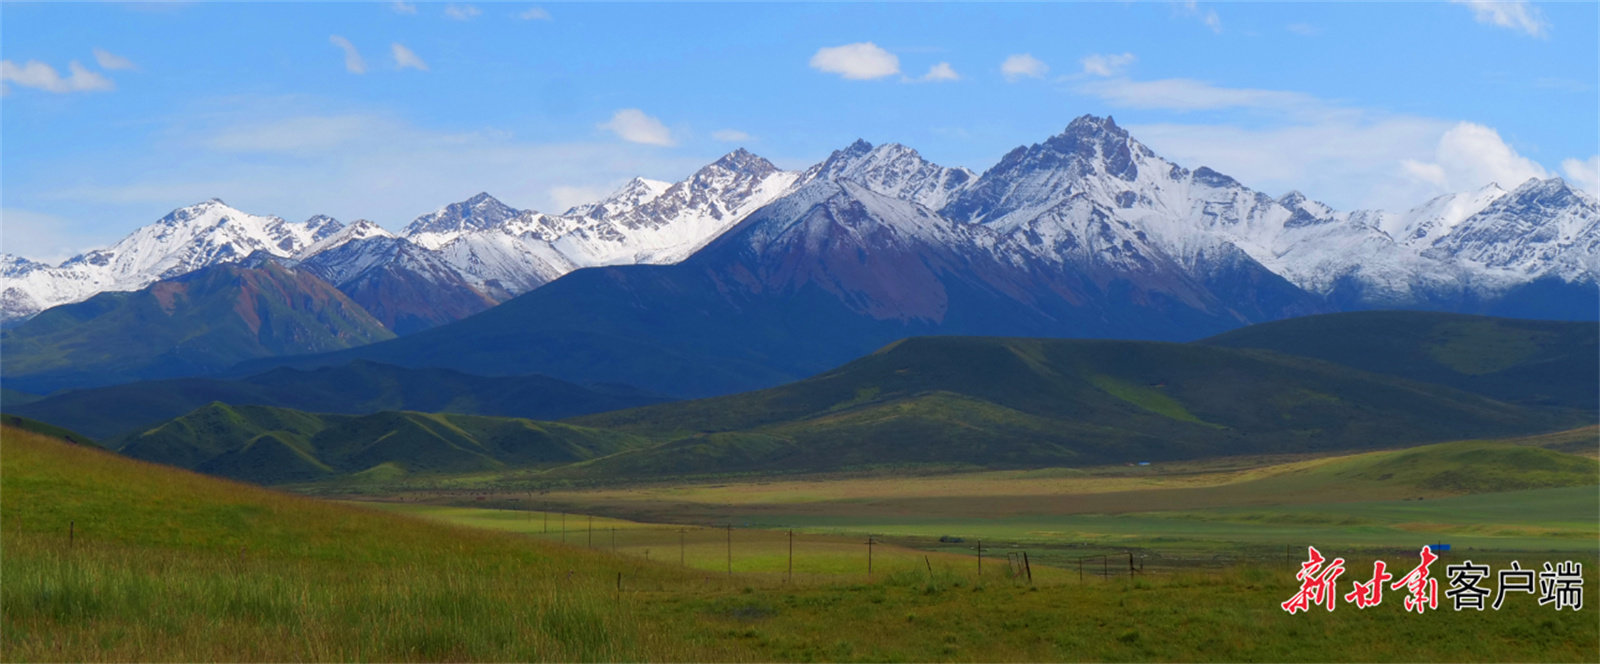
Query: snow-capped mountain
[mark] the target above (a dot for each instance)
(1092, 201)
(187, 239)
(508, 252)
(438, 228)
(1094, 193)
(893, 170)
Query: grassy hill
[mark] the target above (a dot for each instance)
(195, 324)
(44, 429)
(169, 565)
(1519, 361)
(277, 445)
(355, 388)
(1000, 402)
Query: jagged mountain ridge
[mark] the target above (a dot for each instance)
(1091, 199)
(189, 238)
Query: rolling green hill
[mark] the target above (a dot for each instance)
(1018, 402)
(44, 429)
(168, 565)
(195, 324)
(357, 388)
(1519, 361)
(279, 445)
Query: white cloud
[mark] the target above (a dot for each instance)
(534, 14)
(730, 135)
(1469, 156)
(1023, 65)
(43, 237)
(1208, 17)
(405, 59)
(1107, 65)
(461, 12)
(859, 62)
(299, 135)
(566, 197)
(352, 58)
(1515, 15)
(1583, 173)
(941, 72)
(35, 74)
(403, 7)
(634, 126)
(346, 164)
(111, 61)
(1182, 94)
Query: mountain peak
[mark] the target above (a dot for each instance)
(1092, 125)
(481, 212)
(483, 198)
(744, 161)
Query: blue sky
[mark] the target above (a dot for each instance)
(548, 105)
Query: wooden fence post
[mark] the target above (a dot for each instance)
(730, 550)
(869, 557)
(980, 558)
(788, 576)
(1026, 567)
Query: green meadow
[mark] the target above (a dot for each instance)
(110, 559)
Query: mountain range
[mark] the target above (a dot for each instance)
(744, 275)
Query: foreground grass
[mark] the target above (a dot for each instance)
(164, 565)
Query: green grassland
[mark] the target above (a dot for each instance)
(168, 565)
(1501, 495)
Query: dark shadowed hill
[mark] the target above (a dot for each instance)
(1520, 361)
(990, 401)
(276, 445)
(356, 388)
(195, 324)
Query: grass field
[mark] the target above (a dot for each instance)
(166, 565)
(1508, 495)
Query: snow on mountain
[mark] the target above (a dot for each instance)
(187, 239)
(359, 229)
(1095, 192)
(893, 170)
(637, 192)
(1091, 199)
(646, 221)
(668, 227)
(479, 213)
(1543, 227)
